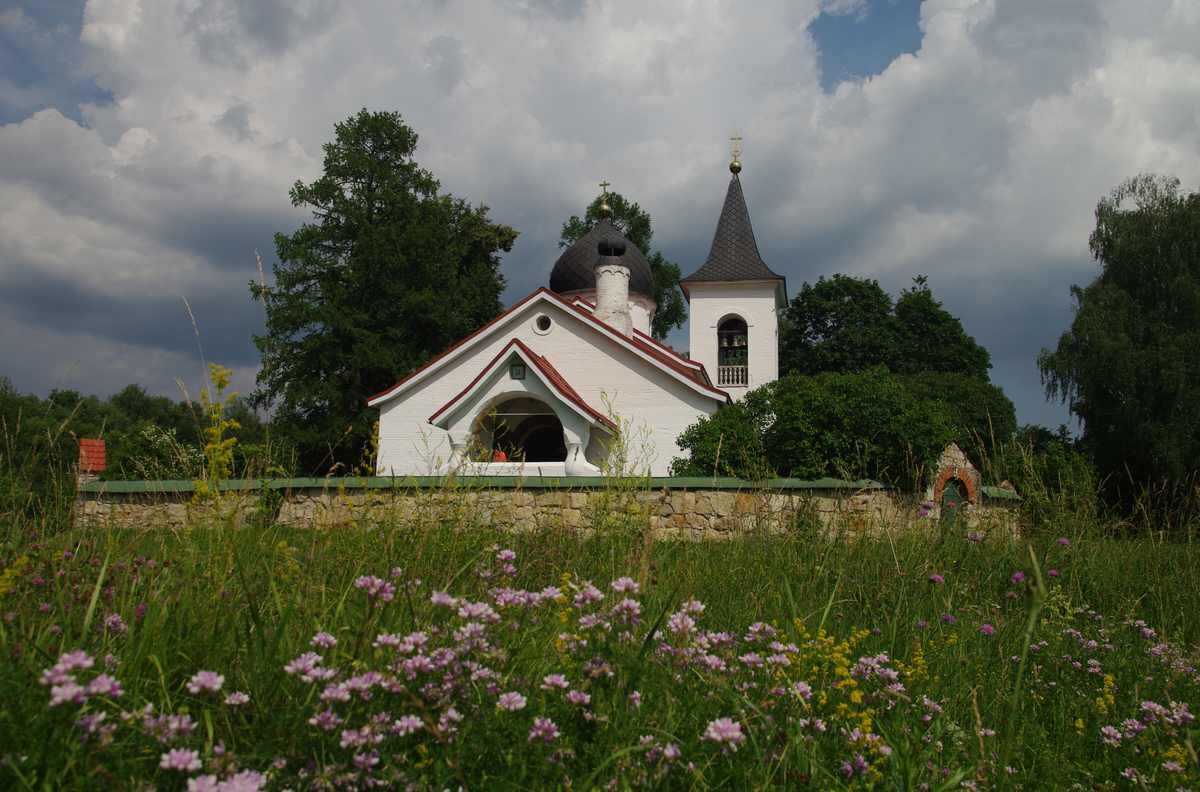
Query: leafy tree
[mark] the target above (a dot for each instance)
(847, 324)
(929, 338)
(388, 273)
(634, 223)
(980, 416)
(840, 324)
(862, 424)
(729, 442)
(1127, 366)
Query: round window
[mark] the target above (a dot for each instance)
(542, 324)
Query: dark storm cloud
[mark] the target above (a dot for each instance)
(236, 121)
(226, 316)
(41, 60)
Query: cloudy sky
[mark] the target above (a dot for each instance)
(147, 147)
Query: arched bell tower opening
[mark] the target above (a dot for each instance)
(733, 351)
(518, 429)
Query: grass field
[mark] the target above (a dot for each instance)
(392, 656)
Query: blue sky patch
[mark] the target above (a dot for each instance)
(860, 40)
(41, 60)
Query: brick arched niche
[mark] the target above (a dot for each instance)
(969, 476)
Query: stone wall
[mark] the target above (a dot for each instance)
(666, 511)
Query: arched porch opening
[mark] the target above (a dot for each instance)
(518, 429)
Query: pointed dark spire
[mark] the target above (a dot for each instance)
(734, 255)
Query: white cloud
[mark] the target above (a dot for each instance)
(977, 160)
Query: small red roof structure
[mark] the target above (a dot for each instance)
(92, 455)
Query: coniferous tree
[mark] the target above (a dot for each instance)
(388, 273)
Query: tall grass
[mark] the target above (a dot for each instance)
(246, 602)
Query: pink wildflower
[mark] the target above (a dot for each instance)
(802, 690)
(444, 600)
(936, 579)
(1017, 578)
(1064, 541)
(407, 724)
(1110, 736)
(511, 701)
(554, 682)
(105, 685)
(69, 691)
(114, 624)
(205, 682)
(987, 629)
(237, 698)
(726, 732)
(378, 590)
(182, 759)
(579, 698)
(625, 585)
(543, 730)
(323, 640)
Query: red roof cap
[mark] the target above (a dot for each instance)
(92, 456)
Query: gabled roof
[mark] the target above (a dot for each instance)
(588, 305)
(734, 254)
(549, 376)
(683, 370)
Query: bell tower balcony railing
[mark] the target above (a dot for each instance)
(732, 376)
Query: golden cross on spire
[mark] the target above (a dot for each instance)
(605, 209)
(735, 164)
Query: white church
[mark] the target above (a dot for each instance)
(546, 388)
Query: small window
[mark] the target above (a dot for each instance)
(542, 324)
(516, 371)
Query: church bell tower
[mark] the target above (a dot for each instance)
(735, 299)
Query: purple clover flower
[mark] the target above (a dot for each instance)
(937, 579)
(378, 590)
(543, 730)
(323, 640)
(182, 759)
(237, 698)
(1017, 578)
(205, 682)
(987, 629)
(511, 701)
(725, 732)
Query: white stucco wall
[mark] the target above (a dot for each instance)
(641, 309)
(656, 407)
(755, 302)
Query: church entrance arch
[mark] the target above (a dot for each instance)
(518, 429)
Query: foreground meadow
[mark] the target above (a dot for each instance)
(392, 656)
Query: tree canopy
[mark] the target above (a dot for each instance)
(634, 222)
(847, 324)
(858, 425)
(388, 273)
(1127, 366)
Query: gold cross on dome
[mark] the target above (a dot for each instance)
(604, 185)
(736, 146)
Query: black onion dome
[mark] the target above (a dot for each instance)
(575, 269)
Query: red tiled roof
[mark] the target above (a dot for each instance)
(686, 368)
(553, 378)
